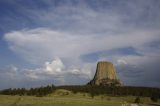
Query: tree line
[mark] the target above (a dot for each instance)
(39, 91)
(93, 90)
(115, 91)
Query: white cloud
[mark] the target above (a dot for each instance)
(54, 67)
(86, 71)
(120, 61)
(55, 72)
(72, 31)
(42, 44)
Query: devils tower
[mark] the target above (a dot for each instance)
(105, 75)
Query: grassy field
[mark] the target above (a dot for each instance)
(67, 98)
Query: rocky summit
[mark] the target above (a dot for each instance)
(105, 75)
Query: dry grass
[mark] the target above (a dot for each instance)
(67, 98)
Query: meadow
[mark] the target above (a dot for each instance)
(67, 98)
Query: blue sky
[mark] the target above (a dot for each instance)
(60, 41)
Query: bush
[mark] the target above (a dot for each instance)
(108, 98)
(92, 95)
(102, 97)
(137, 100)
(154, 98)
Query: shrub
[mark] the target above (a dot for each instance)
(108, 98)
(92, 95)
(154, 98)
(137, 100)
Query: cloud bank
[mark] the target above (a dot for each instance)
(53, 72)
(68, 39)
(42, 44)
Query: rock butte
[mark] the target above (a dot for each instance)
(105, 75)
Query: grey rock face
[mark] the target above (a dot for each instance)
(105, 75)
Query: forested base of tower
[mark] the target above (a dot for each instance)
(106, 82)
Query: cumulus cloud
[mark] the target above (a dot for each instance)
(54, 67)
(53, 72)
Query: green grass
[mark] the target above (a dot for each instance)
(61, 98)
